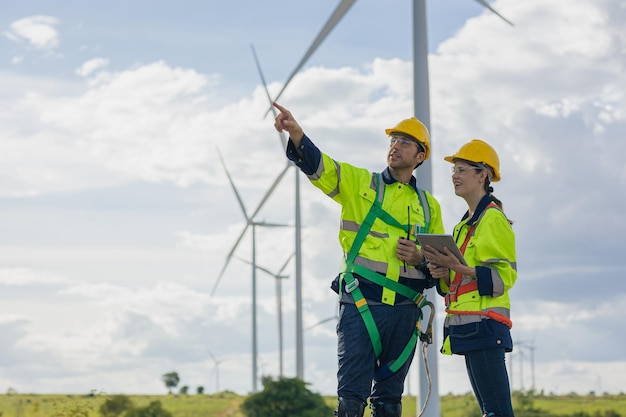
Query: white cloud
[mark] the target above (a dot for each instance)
(39, 31)
(88, 67)
(27, 276)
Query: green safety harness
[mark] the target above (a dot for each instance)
(349, 268)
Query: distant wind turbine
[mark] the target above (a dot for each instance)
(279, 305)
(216, 365)
(421, 102)
(524, 344)
(250, 222)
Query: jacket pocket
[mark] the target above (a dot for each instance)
(464, 331)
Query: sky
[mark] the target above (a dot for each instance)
(117, 215)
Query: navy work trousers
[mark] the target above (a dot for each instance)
(490, 382)
(357, 362)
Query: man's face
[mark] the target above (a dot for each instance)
(404, 153)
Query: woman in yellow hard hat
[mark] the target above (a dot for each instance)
(476, 293)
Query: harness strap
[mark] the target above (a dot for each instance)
(376, 278)
(386, 370)
(352, 287)
(352, 284)
(455, 285)
(457, 290)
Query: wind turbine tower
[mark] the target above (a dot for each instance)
(278, 276)
(250, 222)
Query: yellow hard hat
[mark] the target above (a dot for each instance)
(479, 152)
(415, 129)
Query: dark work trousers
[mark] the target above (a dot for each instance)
(490, 382)
(357, 363)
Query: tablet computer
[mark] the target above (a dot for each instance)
(439, 242)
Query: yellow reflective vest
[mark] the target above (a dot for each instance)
(354, 189)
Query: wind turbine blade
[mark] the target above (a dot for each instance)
(282, 268)
(258, 67)
(249, 219)
(321, 322)
(230, 254)
(232, 184)
(265, 224)
(484, 3)
(270, 191)
(281, 135)
(243, 208)
(339, 12)
(267, 271)
(245, 261)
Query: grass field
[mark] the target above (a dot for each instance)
(226, 404)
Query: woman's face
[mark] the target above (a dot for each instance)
(467, 179)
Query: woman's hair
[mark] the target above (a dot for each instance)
(487, 184)
(489, 190)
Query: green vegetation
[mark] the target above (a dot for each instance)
(227, 404)
(285, 397)
(154, 409)
(115, 406)
(171, 380)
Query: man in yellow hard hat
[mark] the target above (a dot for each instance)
(383, 274)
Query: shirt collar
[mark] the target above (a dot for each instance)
(389, 179)
(484, 202)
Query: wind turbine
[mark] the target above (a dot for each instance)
(250, 222)
(531, 347)
(216, 365)
(521, 355)
(421, 102)
(298, 238)
(279, 304)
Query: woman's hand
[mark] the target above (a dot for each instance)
(446, 260)
(438, 272)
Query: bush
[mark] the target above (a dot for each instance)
(285, 397)
(154, 409)
(115, 406)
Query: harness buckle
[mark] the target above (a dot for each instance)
(351, 286)
(452, 292)
(427, 337)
